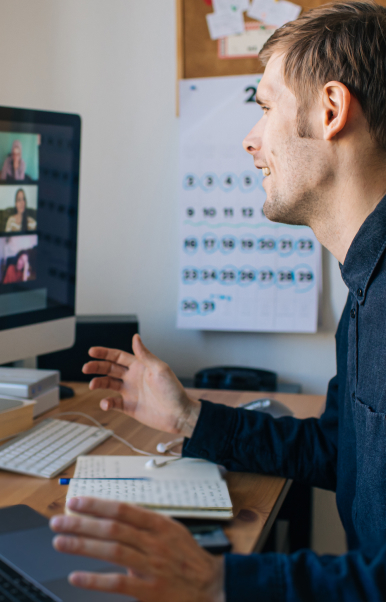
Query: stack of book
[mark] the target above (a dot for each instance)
(25, 394)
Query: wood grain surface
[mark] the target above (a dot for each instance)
(256, 498)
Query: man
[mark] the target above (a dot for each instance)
(322, 147)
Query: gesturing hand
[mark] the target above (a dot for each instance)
(163, 561)
(148, 389)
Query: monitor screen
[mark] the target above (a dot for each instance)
(39, 178)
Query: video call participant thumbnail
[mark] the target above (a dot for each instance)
(18, 258)
(20, 221)
(19, 271)
(19, 156)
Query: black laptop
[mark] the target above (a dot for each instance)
(31, 570)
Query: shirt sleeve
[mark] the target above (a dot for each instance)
(304, 576)
(248, 441)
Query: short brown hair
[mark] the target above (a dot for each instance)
(345, 42)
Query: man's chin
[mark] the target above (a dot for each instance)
(270, 211)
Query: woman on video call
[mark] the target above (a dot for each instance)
(19, 271)
(20, 221)
(14, 164)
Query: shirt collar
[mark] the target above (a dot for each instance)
(365, 252)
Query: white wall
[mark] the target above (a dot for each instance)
(113, 61)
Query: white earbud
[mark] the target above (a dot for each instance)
(153, 464)
(162, 448)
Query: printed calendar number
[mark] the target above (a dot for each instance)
(247, 211)
(190, 245)
(208, 275)
(189, 275)
(189, 307)
(228, 212)
(265, 277)
(251, 92)
(304, 278)
(305, 246)
(228, 275)
(209, 182)
(207, 307)
(228, 244)
(285, 246)
(209, 212)
(248, 244)
(190, 212)
(247, 275)
(210, 243)
(190, 182)
(228, 182)
(284, 278)
(248, 181)
(266, 245)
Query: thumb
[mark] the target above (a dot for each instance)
(141, 352)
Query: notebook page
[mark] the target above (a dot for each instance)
(118, 467)
(183, 493)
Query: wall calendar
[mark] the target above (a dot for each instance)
(238, 270)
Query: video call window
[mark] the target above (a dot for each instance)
(19, 157)
(18, 256)
(18, 208)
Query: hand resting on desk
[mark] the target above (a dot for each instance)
(164, 562)
(147, 388)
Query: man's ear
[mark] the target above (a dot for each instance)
(336, 100)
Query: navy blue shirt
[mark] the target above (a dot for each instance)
(344, 450)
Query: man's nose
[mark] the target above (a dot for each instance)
(252, 142)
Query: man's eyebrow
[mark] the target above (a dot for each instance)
(260, 101)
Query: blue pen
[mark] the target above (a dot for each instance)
(64, 481)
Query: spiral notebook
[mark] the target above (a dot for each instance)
(187, 488)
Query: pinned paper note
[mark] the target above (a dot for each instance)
(274, 13)
(247, 44)
(225, 23)
(226, 5)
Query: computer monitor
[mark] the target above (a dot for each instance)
(39, 180)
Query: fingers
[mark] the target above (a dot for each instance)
(97, 528)
(109, 582)
(105, 382)
(116, 356)
(141, 352)
(112, 403)
(102, 550)
(125, 513)
(106, 368)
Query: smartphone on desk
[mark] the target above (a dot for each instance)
(209, 535)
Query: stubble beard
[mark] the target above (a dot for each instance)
(300, 204)
(295, 212)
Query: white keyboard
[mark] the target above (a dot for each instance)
(51, 446)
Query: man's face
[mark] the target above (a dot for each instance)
(298, 168)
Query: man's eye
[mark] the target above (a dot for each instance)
(265, 109)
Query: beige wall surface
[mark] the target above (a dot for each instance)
(113, 62)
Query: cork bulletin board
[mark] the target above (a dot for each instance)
(197, 54)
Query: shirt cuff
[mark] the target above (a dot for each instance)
(214, 430)
(254, 577)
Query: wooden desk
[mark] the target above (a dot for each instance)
(256, 498)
